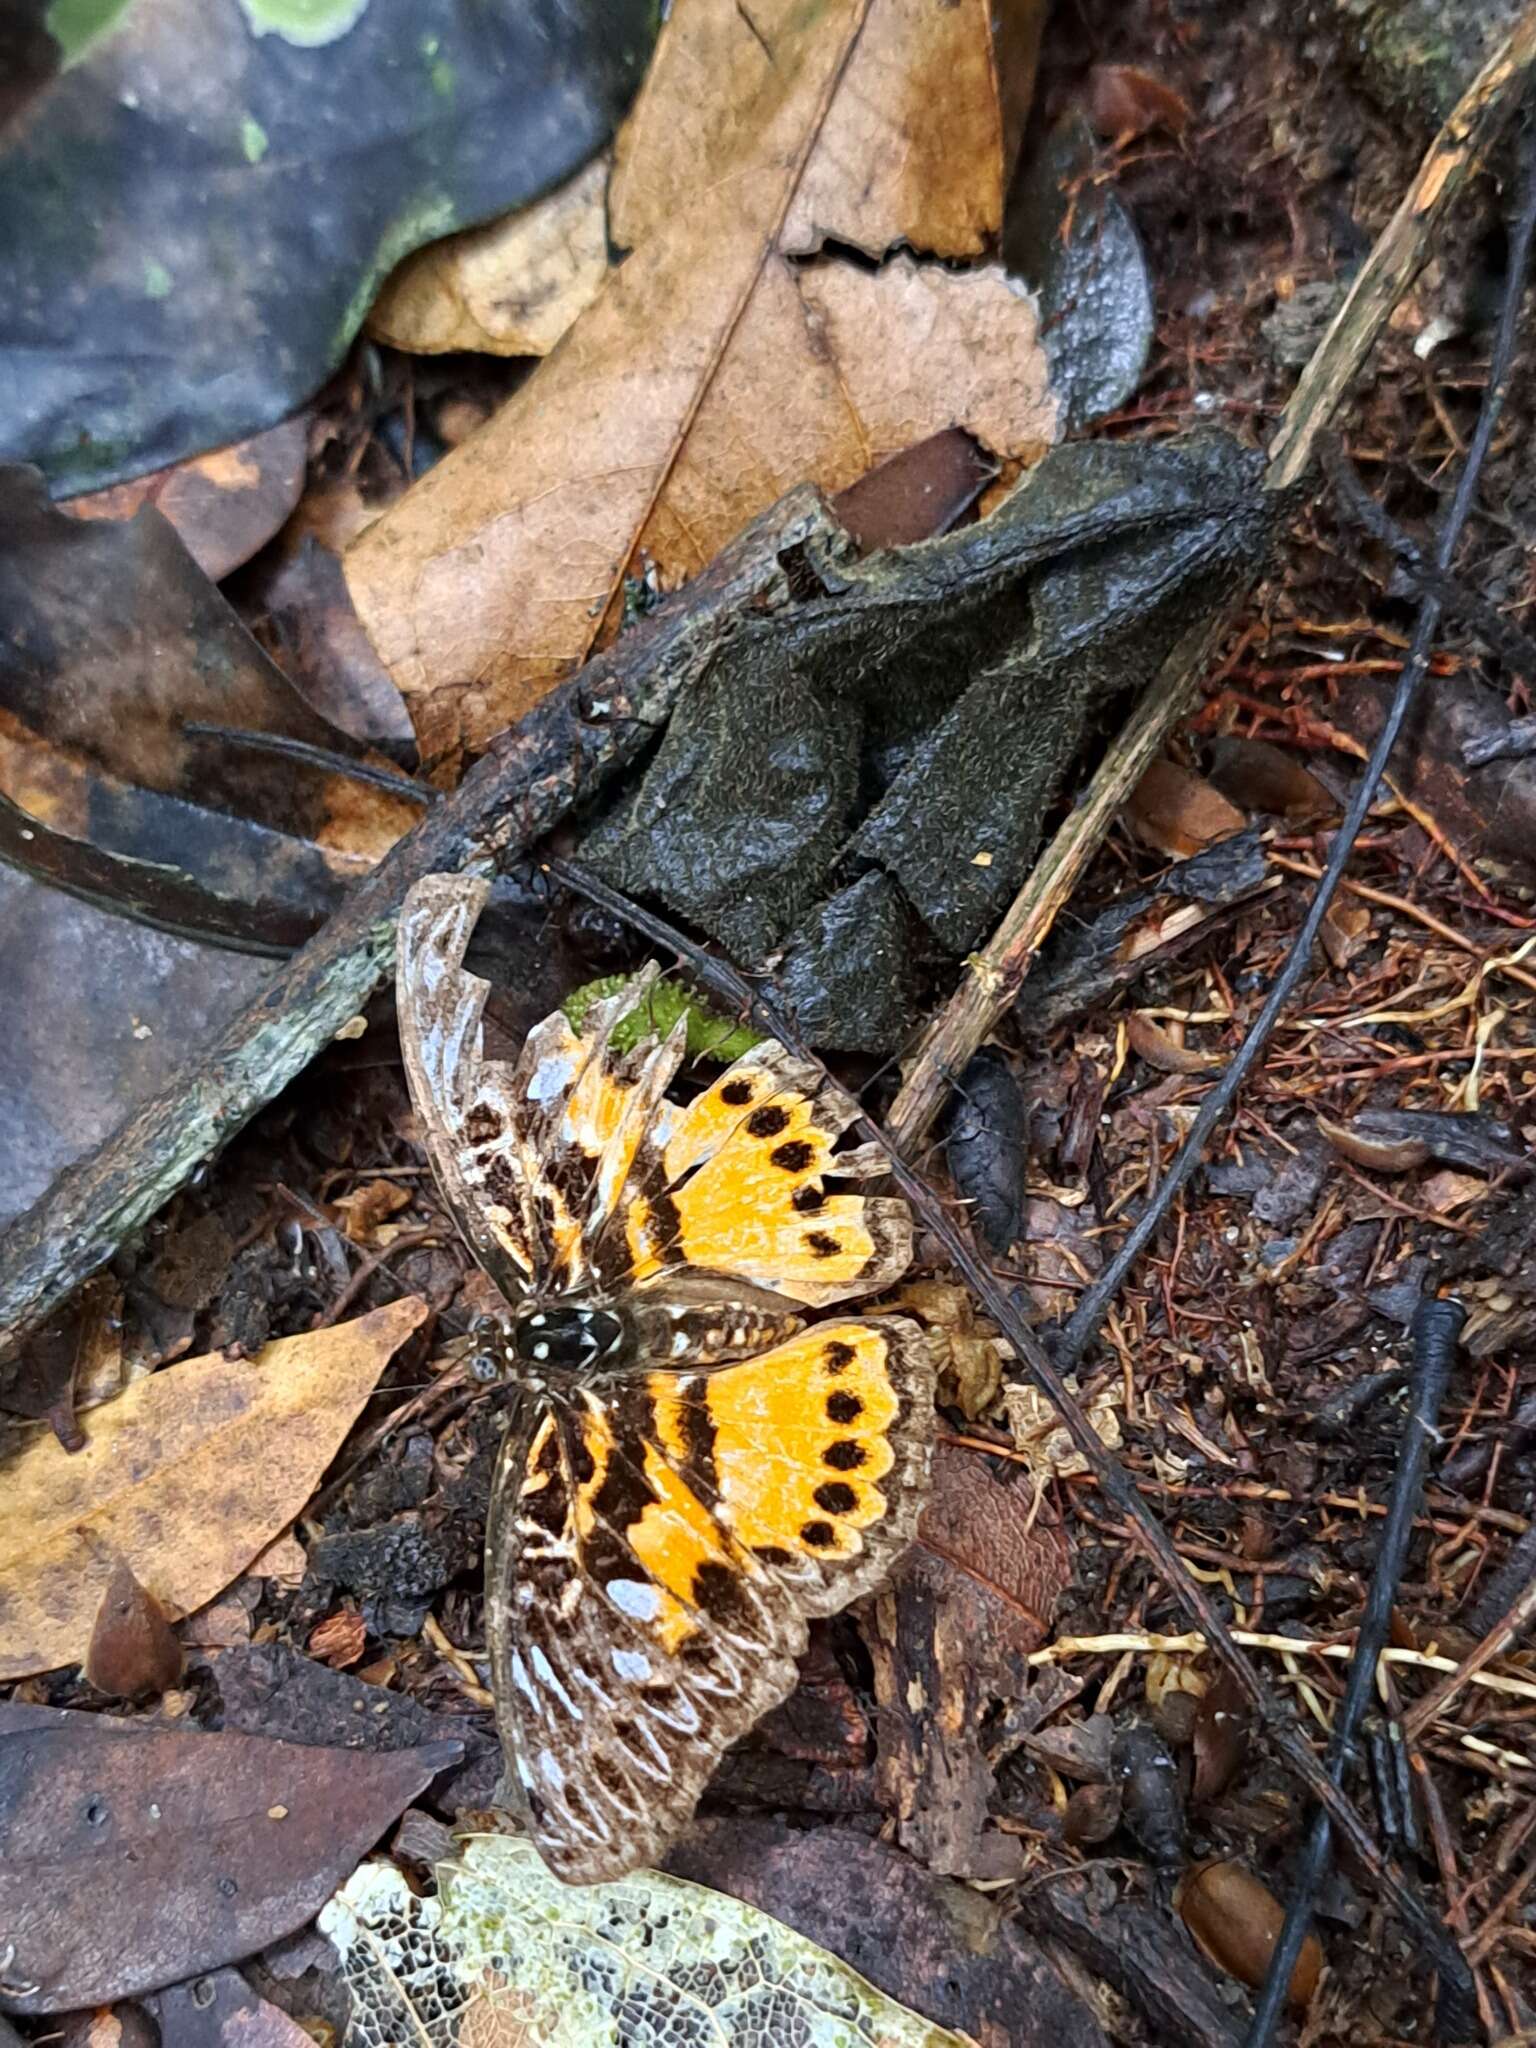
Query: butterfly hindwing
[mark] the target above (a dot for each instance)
(658, 1544)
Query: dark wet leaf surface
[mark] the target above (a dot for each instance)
(199, 212)
(1071, 238)
(933, 1944)
(987, 1146)
(135, 1856)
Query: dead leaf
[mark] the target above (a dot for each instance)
(218, 2009)
(369, 1206)
(1261, 777)
(1446, 1191)
(186, 1475)
(1125, 101)
(1161, 1049)
(339, 1640)
(964, 1344)
(1042, 1437)
(918, 111)
(1178, 813)
(1346, 927)
(707, 377)
(133, 1648)
(231, 1840)
(225, 504)
(510, 288)
(948, 1639)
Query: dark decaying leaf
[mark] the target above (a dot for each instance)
(1489, 811)
(116, 642)
(1140, 1950)
(225, 504)
(133, 1648)
(1396, 1140)
(1070, 238)
(987, 1146)
(950, 1639)
(96, 1013)
(1084, 962)
(269, 1689)
(925, 490)
(186, 265)
(134, 1856)
(951, 1953)
(953, 681)
(220, 2010)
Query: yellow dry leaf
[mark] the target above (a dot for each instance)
(708, 376)
(186, 1476)
(510, 288)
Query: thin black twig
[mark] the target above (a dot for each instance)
(333, 762)
(1436, 1327)
(721, 979)
(1083, 1326)
(1507, 641)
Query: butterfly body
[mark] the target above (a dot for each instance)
(692, 1467)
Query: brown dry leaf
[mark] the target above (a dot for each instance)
(919, 111)
(370, 1205)
(1124, 101)
(1178, 813)
(510, 288)
(1448, 1190)
(1160, 1049)
(339, 1640)
(186, 1475)
(964, 1346)
(708, 376)
(133, 1648)
(1346, 927)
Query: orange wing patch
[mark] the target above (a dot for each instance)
(744, 1167)
(802, 1438)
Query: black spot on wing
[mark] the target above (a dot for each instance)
(822, 1243)
(793, 1156)
(697, 1427)
(844, 1407)
(717, 1593)
(837, 1357)
(836, 1497)
(770, 1553)
(844, 1455)
(483, 1125)
(809, 1201)
(819, 1535)
(736, 1093)
(768, 1121)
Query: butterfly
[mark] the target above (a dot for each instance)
(691, 1469)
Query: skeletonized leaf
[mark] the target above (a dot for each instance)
(506, 1953)
(186, 1476)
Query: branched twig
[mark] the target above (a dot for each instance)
(1083, 1325)
(1436, 1327)
(723, 980)
(1506, 640)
